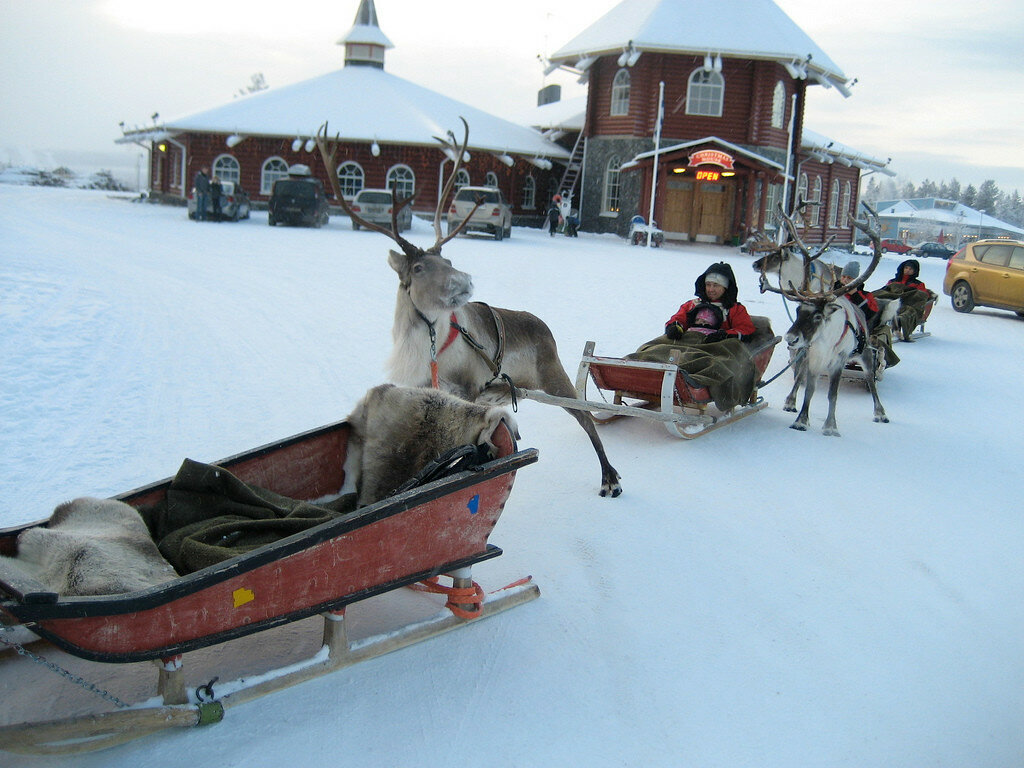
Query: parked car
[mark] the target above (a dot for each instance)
(298, 199)
(375, 206)
(493, 216)
(234, 203)
(895, 246)
(988, 273)
(932, 249)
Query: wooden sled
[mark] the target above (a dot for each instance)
(438, 528)
(655, 391)
(919, 332)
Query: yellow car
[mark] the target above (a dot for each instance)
(988, 273)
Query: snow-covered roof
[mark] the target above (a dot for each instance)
(567, 115)
(361, 104)
(949, 212)
(747, 29)
(828, 151)
(706, 140)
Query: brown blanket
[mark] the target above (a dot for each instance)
(724, 367)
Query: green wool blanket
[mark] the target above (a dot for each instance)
(209, 515)
(724, 367)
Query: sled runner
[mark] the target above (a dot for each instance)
(656, 391)
(437, 528)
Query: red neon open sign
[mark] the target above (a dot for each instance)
(708, 175)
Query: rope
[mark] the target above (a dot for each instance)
(457, 597)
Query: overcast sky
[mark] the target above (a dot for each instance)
(939, 89)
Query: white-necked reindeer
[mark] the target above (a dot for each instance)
(470, 349)
(827, 332)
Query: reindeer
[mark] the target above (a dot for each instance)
(809, 272)
(485, 353)
(827, 332)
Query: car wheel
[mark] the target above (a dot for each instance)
(962, 297)
(499, 233)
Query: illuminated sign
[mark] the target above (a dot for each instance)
(708, 175)
(712, 157)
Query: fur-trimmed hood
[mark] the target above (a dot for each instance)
(912, 262)
(730, 297)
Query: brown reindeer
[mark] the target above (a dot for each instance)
(478, 352)
(827, 332)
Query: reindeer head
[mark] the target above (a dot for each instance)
(434, 286)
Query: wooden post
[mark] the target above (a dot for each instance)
(171, 681)
(335, 634)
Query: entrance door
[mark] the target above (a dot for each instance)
(678, 208)
(713, 212)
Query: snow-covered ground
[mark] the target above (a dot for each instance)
(759, 597)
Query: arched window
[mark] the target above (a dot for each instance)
(529, 193)
(226, 168)
(779, 105)
(801, 196)
(402, 181)
(620, 93)
(491, 180)
(351, 179)
(816, 198)
(705, 93)
(461, 180)
(612, 188)
(833, 204)
(274, 168)
(847, 193)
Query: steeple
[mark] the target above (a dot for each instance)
(365, 43)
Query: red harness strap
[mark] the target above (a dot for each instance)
(453, 333)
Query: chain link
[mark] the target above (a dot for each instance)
(23, 651)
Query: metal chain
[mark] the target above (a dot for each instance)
(23, 651)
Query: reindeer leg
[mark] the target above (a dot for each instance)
(790, 404)
(873, 386)
(805, 412)
(830, 427)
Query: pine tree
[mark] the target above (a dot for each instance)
(969, 195)
(987, 193)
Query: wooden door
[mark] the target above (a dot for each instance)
(714, 210)
(678, 208)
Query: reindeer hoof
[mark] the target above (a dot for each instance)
(613, 491)
(883, 419)
(798, 426)
(830, 432)
(789, 408)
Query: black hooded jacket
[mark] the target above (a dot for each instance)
(911, 281)
(737, 323)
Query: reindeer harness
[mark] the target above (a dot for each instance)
(455, 330)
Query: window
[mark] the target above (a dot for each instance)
(176, 168)
(402, 181)
(816, 199)
(620, 93)
(800, 217)
(612, 186)
(529, 192)
(779, 105)
(351, 179)
(847, 193)
(771, 207)
(997, 255)
(833, 204)
(226, 168)
(1017, 258)
(461, 180)
(704, 93)
(491, 180)
(274, 168)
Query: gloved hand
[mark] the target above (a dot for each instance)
(674, 331)
(716, 336)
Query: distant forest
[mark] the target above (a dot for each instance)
(1005, 206)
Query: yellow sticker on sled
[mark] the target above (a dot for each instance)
(243, 596)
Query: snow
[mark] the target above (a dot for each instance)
(756, 29)
(757, 597)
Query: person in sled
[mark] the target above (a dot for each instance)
(912, 293)
(715, 314)
(881, 334)
(705, 338)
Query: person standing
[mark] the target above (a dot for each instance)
(215, 192)
(201, 185)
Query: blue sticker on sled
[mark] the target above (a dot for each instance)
(474, 504)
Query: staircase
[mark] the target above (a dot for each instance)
(567, 188)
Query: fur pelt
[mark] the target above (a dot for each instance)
(396, 431)
(92, 547)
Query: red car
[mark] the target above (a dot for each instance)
(895, 246)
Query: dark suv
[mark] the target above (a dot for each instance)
(298, 199)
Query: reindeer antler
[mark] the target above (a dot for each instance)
(328, 148)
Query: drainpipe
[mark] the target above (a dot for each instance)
(657, 150)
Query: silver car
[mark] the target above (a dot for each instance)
(375, 206)
(494, 215)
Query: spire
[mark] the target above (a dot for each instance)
(365, 43)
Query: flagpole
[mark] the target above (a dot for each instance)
(657, 150)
